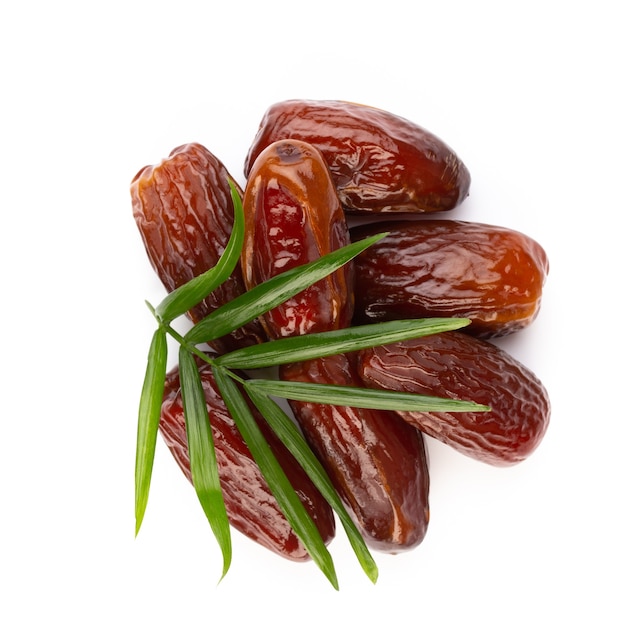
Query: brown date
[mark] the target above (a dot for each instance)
(458, 366)
(379, 161)
(293, 216)
(376, 461)
(446, 268)
(183, 209)
(251, 507)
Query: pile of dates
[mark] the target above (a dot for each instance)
(320, 174)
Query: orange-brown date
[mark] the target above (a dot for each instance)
(379, 161)
(376, 461)
(458, 366)
(252, 509)
(183, 209)
(448, 268)
(293, 216)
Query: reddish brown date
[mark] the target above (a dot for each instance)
(445, 268)
(458, 366)
(251, 507)
(293, 216)
(183, 209)
(379, 161)
(376, 461)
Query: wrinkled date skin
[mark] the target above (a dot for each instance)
(293, 216)
(251, 507)
(446, 268)
(379, 161)
(376, 461)
(183, 209)
(458, 366)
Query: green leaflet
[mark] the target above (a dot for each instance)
(287, 432)
(179, 301)
(360, 397)
(204, 470)
(278, 482)
(148, 422)
(306, 347)
(273, 292)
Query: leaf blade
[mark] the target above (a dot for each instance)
(148, 421)
(290, 503)
(287, 432)
(273, 292)
(202, 457)
(313, 346)
(185, 297)
(361, 397)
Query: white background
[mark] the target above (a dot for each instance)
(528, 94)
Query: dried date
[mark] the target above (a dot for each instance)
(293, 216)
(448, 268)
(376, 461)
(458, 366)
(379, 161)
(183, 209)
(251, 507)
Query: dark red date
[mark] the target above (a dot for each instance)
(376, 461)
(251, 507)
(293, 216)
(183, 209)
(458, 366)
(379, 161)
(446, 268)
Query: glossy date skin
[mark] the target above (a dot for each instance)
(183, 209)
(376, 461)
(251, 507)
(448, 268)
(293, 216)
(379, 161)
(458, 366)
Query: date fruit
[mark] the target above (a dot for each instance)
(183, 209)
(293, 216)
(251, 507)
(376, 461)
(447, 268)
(458, 366)
(379, 161)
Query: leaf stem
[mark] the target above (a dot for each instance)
(186, 345)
